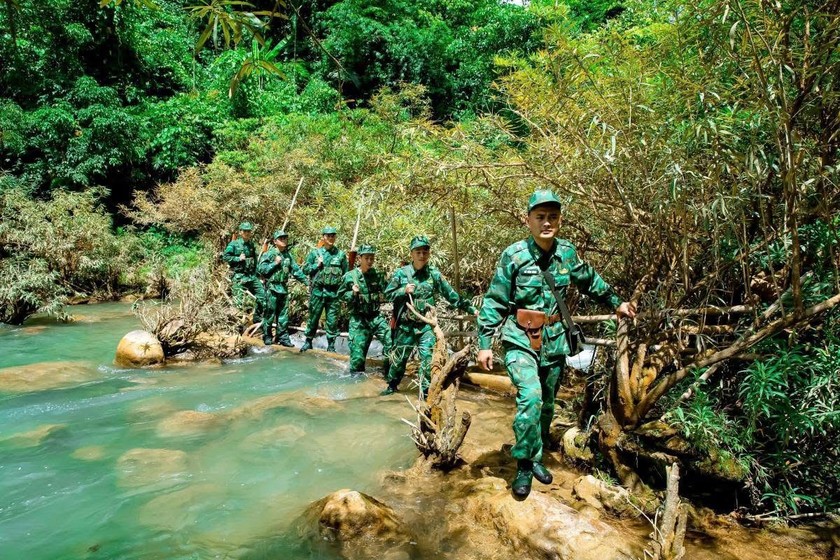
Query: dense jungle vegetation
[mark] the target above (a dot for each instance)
(696, 144)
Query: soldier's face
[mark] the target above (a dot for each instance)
(281, 243)
(544, 222)
(246, 234)
(366, 262)
(329, 240)
(420, 256)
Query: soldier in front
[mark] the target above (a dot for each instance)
(522, 301)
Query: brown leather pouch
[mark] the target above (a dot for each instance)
(532, 323)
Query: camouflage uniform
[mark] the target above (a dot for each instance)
(518, 284)
(244, 275)
(366, 320)
(276, 307)
(411, 332)
(326, 279)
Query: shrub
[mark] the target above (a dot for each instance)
(58, 247)
(198, 316)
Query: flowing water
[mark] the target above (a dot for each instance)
(220, 460)
(198, 461)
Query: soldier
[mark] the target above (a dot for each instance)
(326, 267)
(419, 283)
(277, 266)
(363, 290)
(241, 256)
(519, 288)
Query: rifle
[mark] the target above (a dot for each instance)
(398, 312)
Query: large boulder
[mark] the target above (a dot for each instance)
(357, 526)
(541, 526)
(603, 496)
(138, 349)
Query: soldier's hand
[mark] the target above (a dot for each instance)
(320, 261)
(626, 309)
(409, 288)
(485, 359)
(277, 259)
(356, 288)
(242, 256)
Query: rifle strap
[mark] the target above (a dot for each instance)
(561, 303)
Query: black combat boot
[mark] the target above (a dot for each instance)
(386, 366)
(268, 340)
(541, 473)
(284, 340)
(389, 390)
(306, 345)
(521, 485)
(330, 345)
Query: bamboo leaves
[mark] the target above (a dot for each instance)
(231, 18)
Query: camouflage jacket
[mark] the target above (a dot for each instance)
(277, 274)
(231, 256)
(519, 284)
(428, 283)
(371, 292)
(326, 277)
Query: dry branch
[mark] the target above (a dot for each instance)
(739, 347)
(440, 429)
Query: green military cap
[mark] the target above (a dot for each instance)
(246, 226)
(279, 233)
(328, 230)
(419, 241)
(543, 197)
(367, 250)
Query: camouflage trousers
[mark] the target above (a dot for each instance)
(276, 310)
(536, 386)
(410, 335)
(240, 284)
(362, 331)
(318, 305)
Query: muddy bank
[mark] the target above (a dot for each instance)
(469, 513)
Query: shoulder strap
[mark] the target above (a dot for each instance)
(561, 303)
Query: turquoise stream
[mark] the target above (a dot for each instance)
(110, 466)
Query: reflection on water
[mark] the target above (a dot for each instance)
(203, 461)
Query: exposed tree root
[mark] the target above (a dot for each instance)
(440, 429)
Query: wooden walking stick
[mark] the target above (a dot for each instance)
(353, 253)
(253, 328)
(286, 221)
(292, 205)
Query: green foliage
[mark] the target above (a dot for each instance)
(181, 130)
(75, 142)
(448, 47)
(58, 247)
(780, 421)
(28, 286)
(166, 257)
(231, 18)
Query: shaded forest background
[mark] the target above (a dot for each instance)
(695, 145)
